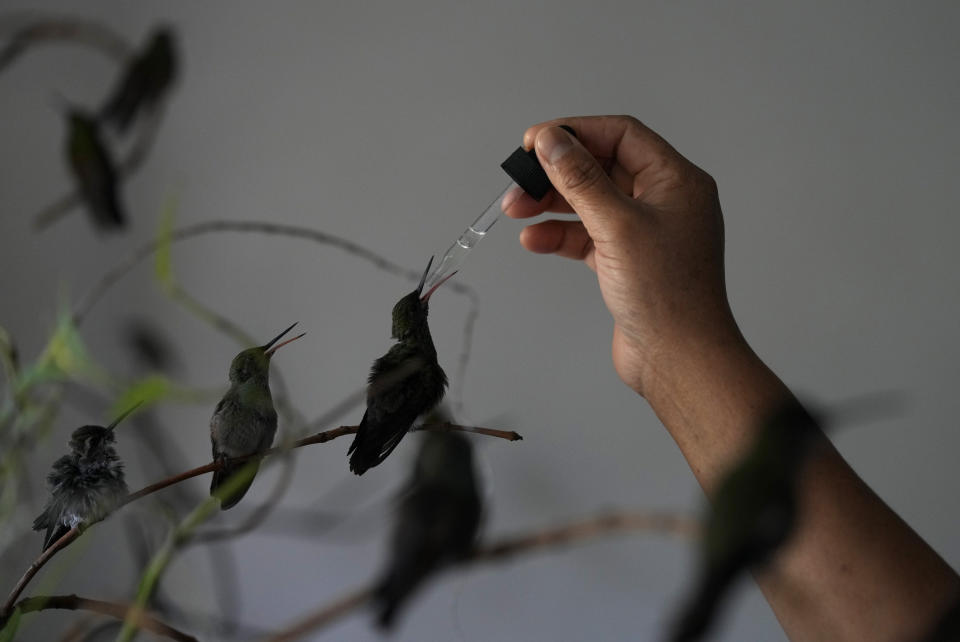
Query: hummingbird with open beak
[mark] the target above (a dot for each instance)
(144, 81)
(404, 383)
(436, 523)
(86, 485)
(93, 170)
(244, 423)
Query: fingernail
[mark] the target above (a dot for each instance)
(553, 143)
(510, 198)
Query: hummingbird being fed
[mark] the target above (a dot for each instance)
(86, 485)
(245, 421)
(404, 383)
(436, 522)
(93, 170)
(144, 81)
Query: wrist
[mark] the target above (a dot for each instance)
(711, 392)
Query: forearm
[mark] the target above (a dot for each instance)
(852, 570)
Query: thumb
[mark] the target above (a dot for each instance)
(579, 178)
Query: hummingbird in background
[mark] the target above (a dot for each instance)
(86, 485)
(436, 523)
(753, 512)
(93, 170)
(404, 383)
(144, 81)
(245, 421)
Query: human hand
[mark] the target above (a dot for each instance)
(650, 227)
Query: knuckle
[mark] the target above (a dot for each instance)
(581, 175)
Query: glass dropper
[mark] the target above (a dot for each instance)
(457, 253)
(527, 174)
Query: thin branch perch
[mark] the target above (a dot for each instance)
(319, 438)
(69, 30)
(611, 523)
(118, 611)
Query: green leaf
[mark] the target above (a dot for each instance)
(147, 391)
(10, 629)
(64, 357)
(163, 267)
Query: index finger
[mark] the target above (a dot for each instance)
(623, 140)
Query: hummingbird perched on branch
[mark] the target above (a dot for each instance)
(86, 485)
(404, 383)
(245, 421)
(144, 81)
(93, 170)
(436, 522)
(754, 512)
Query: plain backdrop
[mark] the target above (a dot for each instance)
(831, 130)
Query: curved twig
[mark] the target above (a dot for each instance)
(319, 438)
(258, 227)
(608, 524)
(324, 616)
(69, 30)
(119, 611)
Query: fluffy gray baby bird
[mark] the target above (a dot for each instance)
(86, 485)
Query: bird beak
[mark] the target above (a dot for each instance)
(423, 279)
(426, 297)
(270, 350)
(124, 415)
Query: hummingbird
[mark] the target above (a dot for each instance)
(753, 512)
(404, 383)
(144, 81)
(245, 421)
(86, 485)
(437, 520)
(93, 170)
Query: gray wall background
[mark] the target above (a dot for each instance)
(831, 131)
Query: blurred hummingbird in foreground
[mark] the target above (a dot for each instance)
(245, 421)
(754, 512)
(86, 485)
(404, 383)
(436, 522)
(145, 80)
(93, 170)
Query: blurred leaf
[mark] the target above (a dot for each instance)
(8, 353)
(164, 262)
(147, 391)
(65, 357)
(10, 630)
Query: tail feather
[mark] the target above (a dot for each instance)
(699, 614)
(54, 532)
(392, 592)
(220, 477)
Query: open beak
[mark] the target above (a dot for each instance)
(268, 350)
(426, 297)
(124, 415)
(423, 279)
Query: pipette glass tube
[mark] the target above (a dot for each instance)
(457, 253)
(524, 168)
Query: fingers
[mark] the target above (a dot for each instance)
(568, 239)
(620, 139)
(519, 204)
(583, 183)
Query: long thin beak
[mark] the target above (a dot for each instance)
(277, 338)
(124, 415)
(423, 279)
(426, 297)
(270, 352)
